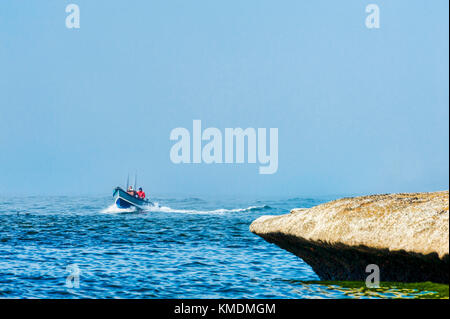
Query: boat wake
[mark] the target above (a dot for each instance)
(155, 207)
(165, 209)
(113, 209)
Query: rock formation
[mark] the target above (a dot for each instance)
(406, 235)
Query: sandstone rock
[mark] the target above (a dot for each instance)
(406, 235)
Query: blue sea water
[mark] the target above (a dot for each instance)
(183, 248)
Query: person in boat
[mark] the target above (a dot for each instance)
(131, 191)
(141, 193)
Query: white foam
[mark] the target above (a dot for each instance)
(165, 209)
(113, 209)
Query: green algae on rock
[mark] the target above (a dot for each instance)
(390, 290)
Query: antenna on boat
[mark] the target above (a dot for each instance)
(135, 180)
(128, 181)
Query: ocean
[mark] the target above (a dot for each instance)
(183, 247)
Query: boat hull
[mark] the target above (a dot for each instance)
(124, 200)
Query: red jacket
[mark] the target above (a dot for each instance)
(141, 194)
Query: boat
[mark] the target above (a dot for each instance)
(124, 200)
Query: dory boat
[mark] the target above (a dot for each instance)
(125, 200)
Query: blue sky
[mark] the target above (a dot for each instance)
(358, 110)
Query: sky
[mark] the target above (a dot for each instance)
(358, 110)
